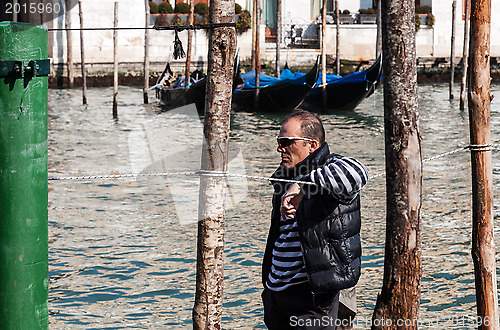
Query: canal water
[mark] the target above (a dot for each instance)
(122, 252)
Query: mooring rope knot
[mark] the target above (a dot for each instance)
(480, 147)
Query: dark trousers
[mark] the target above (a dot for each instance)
(296, 308)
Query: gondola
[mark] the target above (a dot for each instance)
(344, 92)
(274, 94)
(175, 94)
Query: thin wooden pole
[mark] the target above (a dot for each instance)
(254, 32)
(207, 311)
(187, 79)
(257, 54)
(378, 46)
(483, 242)
(337, 46)
(82, 53)
(69, 46)
(452, 53)
(400, 295)
(323, 54)
(14, 12)
(465, 56)
(278, 37)
(115, 63)
(146, 54)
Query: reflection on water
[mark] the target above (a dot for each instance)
(121, 258)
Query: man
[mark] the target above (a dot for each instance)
(313, 249)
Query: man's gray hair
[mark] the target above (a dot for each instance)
(310, 125)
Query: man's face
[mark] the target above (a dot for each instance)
(298, 150)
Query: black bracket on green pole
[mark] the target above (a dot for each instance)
(16, 69)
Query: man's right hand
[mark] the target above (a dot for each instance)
(290, 201)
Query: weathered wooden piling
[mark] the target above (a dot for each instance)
(115, 62)
(14, 12)
(278, 37)
(207, 311)
(337, 46)
(69, 45)
(146, 54)
(378, 45)
(465, 56)
(400, 295)
(254, 31)
(452, 52)
(82, 56)
(483, 242)
(323, 54)
(257, 51)
(187, 77)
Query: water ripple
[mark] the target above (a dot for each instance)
(120, 258)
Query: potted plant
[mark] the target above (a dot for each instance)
(243, 21)
(367, 16)
(345, 17)
(430, 20)
(165, 8)
(423, 12)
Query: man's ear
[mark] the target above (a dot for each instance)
(313, 146)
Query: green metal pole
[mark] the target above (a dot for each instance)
(23, 177)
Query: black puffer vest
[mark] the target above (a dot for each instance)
(328, 230)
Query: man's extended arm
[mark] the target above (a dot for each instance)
(344, 178)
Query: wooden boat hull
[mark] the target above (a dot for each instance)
(344, 96)
(283, 98)
(172, 98)
(280, 97)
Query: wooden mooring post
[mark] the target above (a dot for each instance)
(452, 52)
(323, 55)
(483, 242)
(378, 45)
(254, 31)
(337, 47)
(115, 63)
(207, 311)
(278, 37)
(82, 56)
(400, 295)
(69, 45)
(187, 77)
(14, 12)
(146, 54)
(257, 52)
(465, 55)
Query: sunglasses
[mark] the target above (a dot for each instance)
(285, 141)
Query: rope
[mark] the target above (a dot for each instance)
(169, 27)
(192, 173)
(445, 154)
(472, 147)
